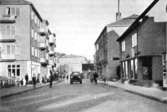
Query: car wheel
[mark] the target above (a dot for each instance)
(80, 82)
(71, 82)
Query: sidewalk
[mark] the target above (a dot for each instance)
(152, 93)
(6, 92)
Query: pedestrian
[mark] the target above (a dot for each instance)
(95, 75)
(26, 78)
(51, 76)
(34, 80)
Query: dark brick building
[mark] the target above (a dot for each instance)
(107, 49)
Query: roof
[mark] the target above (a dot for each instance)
(124, 22)
(14, 2)
(20, 2)
(72, 56)
(135, 23)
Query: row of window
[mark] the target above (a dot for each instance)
(35, 52)
(35, 19)
(134, 42)
(7, 29)
(130, 68)
(11, 11)
(35, 35)
(7, 50)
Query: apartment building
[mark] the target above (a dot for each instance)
(24, 40)
(107, 49)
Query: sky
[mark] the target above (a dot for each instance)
(78, 23)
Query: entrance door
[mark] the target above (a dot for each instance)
(147, 68)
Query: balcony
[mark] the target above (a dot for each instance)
(43, 61)
(7, 58)
(7, 38)
(7, 19)
(42, 46)
(51, 40)
(51, 53)
(44, 31)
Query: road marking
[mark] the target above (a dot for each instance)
(25, 98)
(73, 101)
(40, 101)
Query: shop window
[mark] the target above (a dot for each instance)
(13, 70)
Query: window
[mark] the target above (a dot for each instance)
(32, 15)
(13, 49)
(7, 29)
(32, 33)
(123, 45)
(13, 70)
(32, 51)
(134, 40)
(8, 49)
(7, 11)
(35, 52)
(0, 52)
(12, 11)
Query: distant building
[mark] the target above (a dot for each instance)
(70, 63)
(24, 40)
(107, 49)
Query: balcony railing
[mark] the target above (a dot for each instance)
(42, 46)
(7, 19)
(51, 62)
(7, 58)
(51, 39)
(7, 38)
(44, 31)
(51, 53)
(43, 61)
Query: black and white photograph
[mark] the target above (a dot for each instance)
(83, 55)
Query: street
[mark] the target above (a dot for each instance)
(84, 97)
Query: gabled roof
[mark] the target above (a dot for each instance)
(14, 2)
(124, 21)
(20, 2)
(135, 23)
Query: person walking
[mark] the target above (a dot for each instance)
(26, 78)
(34, 80)
(95, 75)
(51, 76)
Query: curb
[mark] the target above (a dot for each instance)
(140, 94)
(147, 96)
(27, 90)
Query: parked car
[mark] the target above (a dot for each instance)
(75, 77)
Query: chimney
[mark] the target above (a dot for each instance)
(118, 14)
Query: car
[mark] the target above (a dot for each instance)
(75, 77)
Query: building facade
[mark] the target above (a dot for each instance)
(107, 49)
(23, 33)
(141, 51)
(143, 46)
(70, 63)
